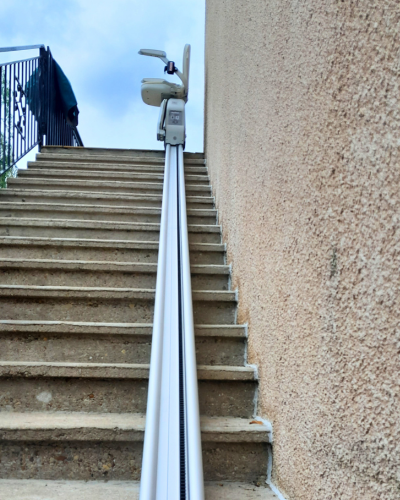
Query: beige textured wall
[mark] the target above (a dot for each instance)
(302, 143)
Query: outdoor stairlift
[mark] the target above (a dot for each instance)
(172, 467)
(170, 97)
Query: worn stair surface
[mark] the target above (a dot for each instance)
(78, 260)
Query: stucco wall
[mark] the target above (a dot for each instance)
(302, 143)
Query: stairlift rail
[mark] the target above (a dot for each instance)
(172, 466)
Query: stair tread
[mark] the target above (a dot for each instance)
(98, 224)
(33, 369)
(21, 326)
(96, 195)
(35, 240)
(54, 172)
(125, 421)
(98, 208)
(112, 167)
(92, 158)
(107, 184)
(37, 489)
(133, 267)
(104, 292)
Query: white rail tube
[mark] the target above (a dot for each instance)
(172, 433)
(168, 458)
(194, 466)
(148, 481)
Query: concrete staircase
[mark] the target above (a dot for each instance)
(78, 251)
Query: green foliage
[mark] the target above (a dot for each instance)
(6, 152)
(10, 173)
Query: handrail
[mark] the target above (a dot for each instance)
(172, 466)
(30, 110)
(21, 47)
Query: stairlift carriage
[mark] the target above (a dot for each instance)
(169, 96)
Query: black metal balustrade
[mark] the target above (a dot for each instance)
(31, 108)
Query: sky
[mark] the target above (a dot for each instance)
(96, 43)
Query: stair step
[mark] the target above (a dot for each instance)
(33, 369)
(63, 228)
(95, 199)
(54, 341)
(36, 489)
(105, 304)
(99, 212)
(116, 387)
(43, 272)
(117, 156)
(110, 250)
(111, 175)
(107, 186)
(114, 167)
(81, 426)
(69, 439)
(68, 152)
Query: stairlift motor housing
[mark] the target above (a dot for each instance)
(175, 122)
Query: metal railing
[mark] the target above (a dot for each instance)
(172, 465)
(30, 110)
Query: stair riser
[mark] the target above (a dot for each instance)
(53, 231)
(105, 310)
(56, 174)
(109, 349)
(216, 398)
(154, 188)
(105, 254)
(100, 215)
(63, 199)
(105, 460)
(128, 279)
(92, 167)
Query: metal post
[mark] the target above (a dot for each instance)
(42, 119)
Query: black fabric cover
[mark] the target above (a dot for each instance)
(64, 95)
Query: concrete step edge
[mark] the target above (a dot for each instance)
(109, 266)
(107, 184)
(138, 329)
(31, 173)
(80, 426)
(121, 159)
(112, 167)
(95, 224)
(91, 293)
(200, 212)
(30, 369)
(24, 489)
(43, 193)
(98, 243)
(132, 154)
